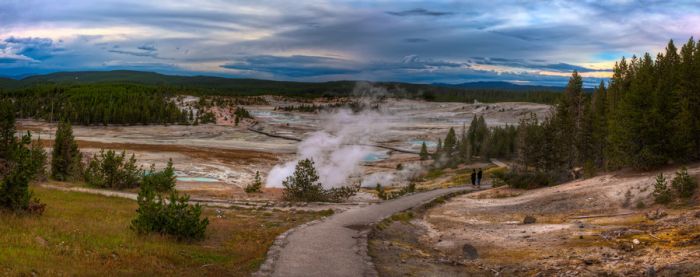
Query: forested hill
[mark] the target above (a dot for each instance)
(209, 85)
(8, 83)
(501, 85)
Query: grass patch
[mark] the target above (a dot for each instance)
(434, 173)
(84, 234)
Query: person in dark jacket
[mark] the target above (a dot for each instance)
(473, 177)
(478, 178)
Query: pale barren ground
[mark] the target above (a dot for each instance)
(223, 158)
(560, 243)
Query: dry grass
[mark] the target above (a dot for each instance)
(83, 234)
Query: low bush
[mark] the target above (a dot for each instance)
(107, 169)
(683, 184)
(662, 194)
(256, 186)
(172, 216)
(161, 181)
(523, 180)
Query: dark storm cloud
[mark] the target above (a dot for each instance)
(417, 41)
(419, 12)
(294, 66)
(134, 53)
(532, 64)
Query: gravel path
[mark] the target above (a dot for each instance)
(334, 247)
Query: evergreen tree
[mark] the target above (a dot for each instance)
(424, 152)
(662, 194)
(599, 126)
(438, 150)
(256, 186)
(7, 128)
(303, 185)
(23, 163)
(450, 143)
(65, 158)
(684, 184)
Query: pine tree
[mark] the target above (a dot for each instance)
(65, 158)
(450, 143)
(599, 126)
(685, 140)
(424, 152)
(303, 185)
(7, 128)
(662, 194)
(438, 150)
(256, 186)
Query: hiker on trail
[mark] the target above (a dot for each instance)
(478, 178)
(473, 177)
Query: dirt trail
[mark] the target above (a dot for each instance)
(333, 247)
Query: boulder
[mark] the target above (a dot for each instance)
(470, 252)
(529, 219)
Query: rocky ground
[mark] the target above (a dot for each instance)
(602, 226)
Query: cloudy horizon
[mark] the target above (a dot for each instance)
(536, 43)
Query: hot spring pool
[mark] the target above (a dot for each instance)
(374, 157)
(416, 143)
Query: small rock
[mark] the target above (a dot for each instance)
(650, 272)
(658, 214)
(635, 241)
(470, 252)
(529, 219)
(41, 241)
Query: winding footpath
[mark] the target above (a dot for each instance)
(337, 246)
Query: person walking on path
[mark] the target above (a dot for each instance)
(478, 178)
(473, 177)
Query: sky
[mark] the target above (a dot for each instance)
(524, 42)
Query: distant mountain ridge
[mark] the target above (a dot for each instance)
(498, 85)
(152, 78)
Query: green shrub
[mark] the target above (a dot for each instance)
(66, 161)
(109, 170)
(381, 193)
(256, 186)
(662, 194)
(684, 184)
(172, 216)
(497, 176)
(160, 181)
(523, 180)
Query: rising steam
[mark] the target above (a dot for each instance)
(340, 147)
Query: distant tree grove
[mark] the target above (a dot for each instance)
(97, 104)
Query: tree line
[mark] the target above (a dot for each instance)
(478, 142)
(647, 116)
(97, 104)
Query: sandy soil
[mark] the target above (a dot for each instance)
(592, 227)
